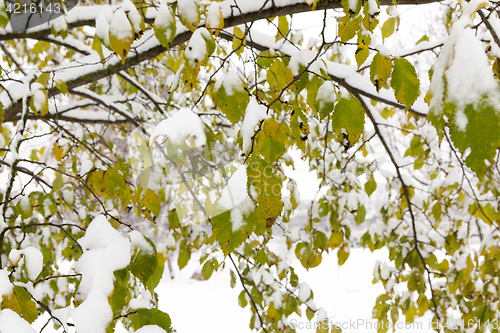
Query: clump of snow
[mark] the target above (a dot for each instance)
(33, 260)
(304, 58)
(353, 5)
(68, 196)
(105, 251)
(179, 127)
(5, 285)
(25, 204)
(373, 8)
(254, 114)
(102, 23)
(326, 93)
(214, 15)
(137, 240)
(59, 24)
(188, 9)
(464, 68)
(120, 27)
(11, 322)
(150, 329)
(304, 292)
(235, 198)
(231, 82)
(196, 50)
(164, 18)
(321, 315)
(134, 16)
(87, 164)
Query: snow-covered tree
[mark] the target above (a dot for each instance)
(134, 135)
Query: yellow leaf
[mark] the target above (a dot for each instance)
(121, 34)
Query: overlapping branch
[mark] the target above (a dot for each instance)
(145, 49)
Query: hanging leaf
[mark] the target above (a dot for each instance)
(380, 70)
(189, 14)
(164, 25)
(271, 140)
(231, 98)
(265, 187)
(348, 119)
(121, 34)
(389, 27)
(144, 259)
(143, 317)
(405, 82)
(20, 302)
(348, 27)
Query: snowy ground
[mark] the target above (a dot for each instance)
(346, 293)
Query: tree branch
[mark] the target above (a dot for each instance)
(116, 65)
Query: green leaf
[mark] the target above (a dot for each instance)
(271, 140)
(164, 25)
(184, 256)
(97, 46)
(350, 117)
(348, 28)
(223, 230)
(482, 135)
(361, 54)
(208, 269)
(20, 302)
(276, 75)
(423, 39)
(389, 27)
(144, 259)
(380, 70)
(114, 185)
(360, 214)
(265, 59)
(266, 184)
(173, 219)
(232, 103)
(4, 15)
(155, 278)
(242, 300)
(143, 317)
(342, 255)
(370, 185)
(61, 85)
(152, 202)
(325, 99)
(405, 82)
(120, 291)
(308, 256)
(283, 28)
(239, 40)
